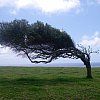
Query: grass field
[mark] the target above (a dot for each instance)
(23, 83)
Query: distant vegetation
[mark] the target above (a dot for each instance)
(48, 84)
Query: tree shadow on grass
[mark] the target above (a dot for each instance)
(42, 82)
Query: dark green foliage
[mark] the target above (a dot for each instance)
(38, 38)
(19, 32)
(12, 34)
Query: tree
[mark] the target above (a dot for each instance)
(85, 57)
(41, 42)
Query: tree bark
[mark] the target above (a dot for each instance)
(85, 58)
(87, 63)
(88, 68)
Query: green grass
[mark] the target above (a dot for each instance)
(23, 83)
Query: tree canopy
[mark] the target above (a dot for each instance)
(36, 40)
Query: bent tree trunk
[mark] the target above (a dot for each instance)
(88, 68)
(86, 61)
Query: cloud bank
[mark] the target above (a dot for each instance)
(93, 41)
(46, 6)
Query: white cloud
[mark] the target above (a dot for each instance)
(93, 40)
(6, 3)
(46, 6)
(4, 50)
(13, 12)
(98, 1)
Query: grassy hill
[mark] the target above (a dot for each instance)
(23, 83)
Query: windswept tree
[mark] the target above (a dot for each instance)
(86, 57)
(41, 42)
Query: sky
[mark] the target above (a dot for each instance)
(79, 18)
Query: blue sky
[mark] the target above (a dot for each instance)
(79, 18)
